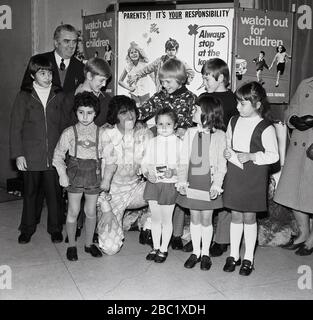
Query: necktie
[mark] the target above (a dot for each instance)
(62, 64)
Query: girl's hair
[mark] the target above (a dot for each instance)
(167, 111)
(283, 49)
(98, 66)
(119, 104)
(39, 62)
(254, 92)
(171, 44)
(142, 55)
(216, 66)
(212, 112)
(86, 99)
(173, 68)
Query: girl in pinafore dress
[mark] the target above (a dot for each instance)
(251, 147)
(82, 174)
(201, 175)
(159, 165)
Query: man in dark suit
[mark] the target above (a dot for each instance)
(68, 72)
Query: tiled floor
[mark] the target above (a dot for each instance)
(40, 270)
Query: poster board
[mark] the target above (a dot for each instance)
(99, 40)
(258, 31)
(201, 33)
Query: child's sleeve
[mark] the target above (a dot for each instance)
(229, 135)
(151, 67)
(60, 150)
(147, 109)
(182, 169)
(16, 128)
(219, 170)
(269, 142)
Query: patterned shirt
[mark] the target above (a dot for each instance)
(182, 101)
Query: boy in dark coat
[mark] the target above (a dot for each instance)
(36, 125)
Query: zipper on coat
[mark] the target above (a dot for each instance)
(46, 125)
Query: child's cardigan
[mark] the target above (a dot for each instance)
(217, 160)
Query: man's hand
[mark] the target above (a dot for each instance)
(308, 120)
(21, 163)
(64, 181)
(244, 157)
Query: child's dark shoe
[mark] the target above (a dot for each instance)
(151, 255)
(246, 268)
(191, 261)
(94, 251)
(71, 254)
(188, 247)
(177, 243)
(231, 264)
(206, 263)
(160, 257)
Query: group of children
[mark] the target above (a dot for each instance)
(191, 161)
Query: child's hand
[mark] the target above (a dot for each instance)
(107, 125)
(64, 181)
(168, 173)
(21, 163)
(151, 176)
(140, 125)
(227, 153)
(213, 194)
(244, 157)
(180, 132)
(182, 190)
(132, 79)
(105, 185)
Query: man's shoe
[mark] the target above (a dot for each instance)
(143, 236)
(94, 251)
(160, 256)
(191, 261)
(304, 251)
(71, 254)
(177, 243)
(152, 254)
(231, 264)
(188, 247)
(56, 237)
(217, 249)
(246, 268)
(24, 238)
(206, 263)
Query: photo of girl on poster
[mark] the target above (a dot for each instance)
(136, 59)
(281, 59)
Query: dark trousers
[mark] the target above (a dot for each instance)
(37, 186)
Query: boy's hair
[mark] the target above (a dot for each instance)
(212, 112)
(63, 27)
(283, 49)
(216, 66)
(262, 52)
(86, 99)
(98, 66)
(173, 68)
(39, 62)
(118, 104)
(171, 44)
(167, 111)
(255, 92)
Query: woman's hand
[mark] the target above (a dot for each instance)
(21, 163)
(107, 218)
(168, 173)
(64, 181)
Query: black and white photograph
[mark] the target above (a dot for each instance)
(156, 156)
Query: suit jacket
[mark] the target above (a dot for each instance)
(74, 74)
